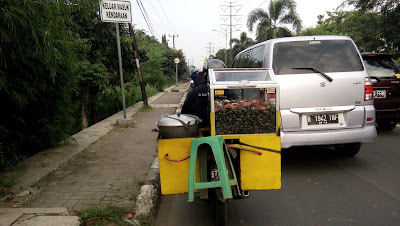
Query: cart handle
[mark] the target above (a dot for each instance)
(261, 148)
(245, 149)
(176, 160)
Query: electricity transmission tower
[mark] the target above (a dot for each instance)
(210, 49)
(230, 15)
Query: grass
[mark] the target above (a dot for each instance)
(11, 178)
(140, 184)
(102, 215)
(145, 108)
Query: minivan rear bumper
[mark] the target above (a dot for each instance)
(366, 134)
(388, 115)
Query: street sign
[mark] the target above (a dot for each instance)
(176, 60)
(115, 11)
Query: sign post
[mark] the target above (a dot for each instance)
(176, 61)
(117, 12)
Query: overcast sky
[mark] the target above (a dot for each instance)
(194, 20)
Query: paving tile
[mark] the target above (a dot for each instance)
(84, 193)
(111, 198)
(106, 203)
(88, 202)
(81, 197)
(99, 195)
(66, 196)
(108, 172)
(85, 188)
(50, 205)
(97, 189)
(58, 202)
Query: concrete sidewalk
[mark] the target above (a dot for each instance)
(120, 169)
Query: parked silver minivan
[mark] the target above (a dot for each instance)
(326, 93)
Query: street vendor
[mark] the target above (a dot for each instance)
(197, 78)
(197, 101)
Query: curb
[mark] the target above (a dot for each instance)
(147, 201)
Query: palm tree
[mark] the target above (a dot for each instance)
(242, 43)
(279, 12)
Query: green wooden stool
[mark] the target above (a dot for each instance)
(218, 147)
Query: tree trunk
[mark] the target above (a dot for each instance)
(93, 112)
(274, 30)
(85, 104)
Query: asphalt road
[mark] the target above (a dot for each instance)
(318, 188)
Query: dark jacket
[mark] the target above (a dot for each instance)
(197, 103)
(197, 79)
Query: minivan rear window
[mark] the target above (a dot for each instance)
(324, 55)
(381, 66)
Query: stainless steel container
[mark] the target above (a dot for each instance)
(178, 126)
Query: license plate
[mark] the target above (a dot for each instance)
(379, 94)
(322, 119)
(214, 174)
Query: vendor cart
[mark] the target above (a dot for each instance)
(239, 151)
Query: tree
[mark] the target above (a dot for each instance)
(242, 43)
(389, 10)
(164, 40)
(279, 12)
(59, 72)
(37, 75)
(368, 29)
(220, 55)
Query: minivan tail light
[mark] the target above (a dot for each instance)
(368, 93)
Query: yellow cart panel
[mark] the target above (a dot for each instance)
(174, 176)
(260, 172)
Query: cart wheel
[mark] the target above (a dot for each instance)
(221, 211)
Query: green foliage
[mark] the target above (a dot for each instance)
(151, 68)
(389, 11)
(242, 43)
(11, 178)
(371, 27)
(37, 67)
(102, 215)
(164, 40)
(221, 55)
(109, 101)
(59, 72)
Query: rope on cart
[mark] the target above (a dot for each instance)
(176, 160)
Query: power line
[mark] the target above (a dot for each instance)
(159, 18)
(167, 17)
(146, 18)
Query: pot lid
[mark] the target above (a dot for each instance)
(178, 119)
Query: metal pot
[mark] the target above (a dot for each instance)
(178, 126)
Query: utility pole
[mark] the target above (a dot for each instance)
(226, 43)
(173, 39)
(136, 53)
(230, 25)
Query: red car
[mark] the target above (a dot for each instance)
(385, 76)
